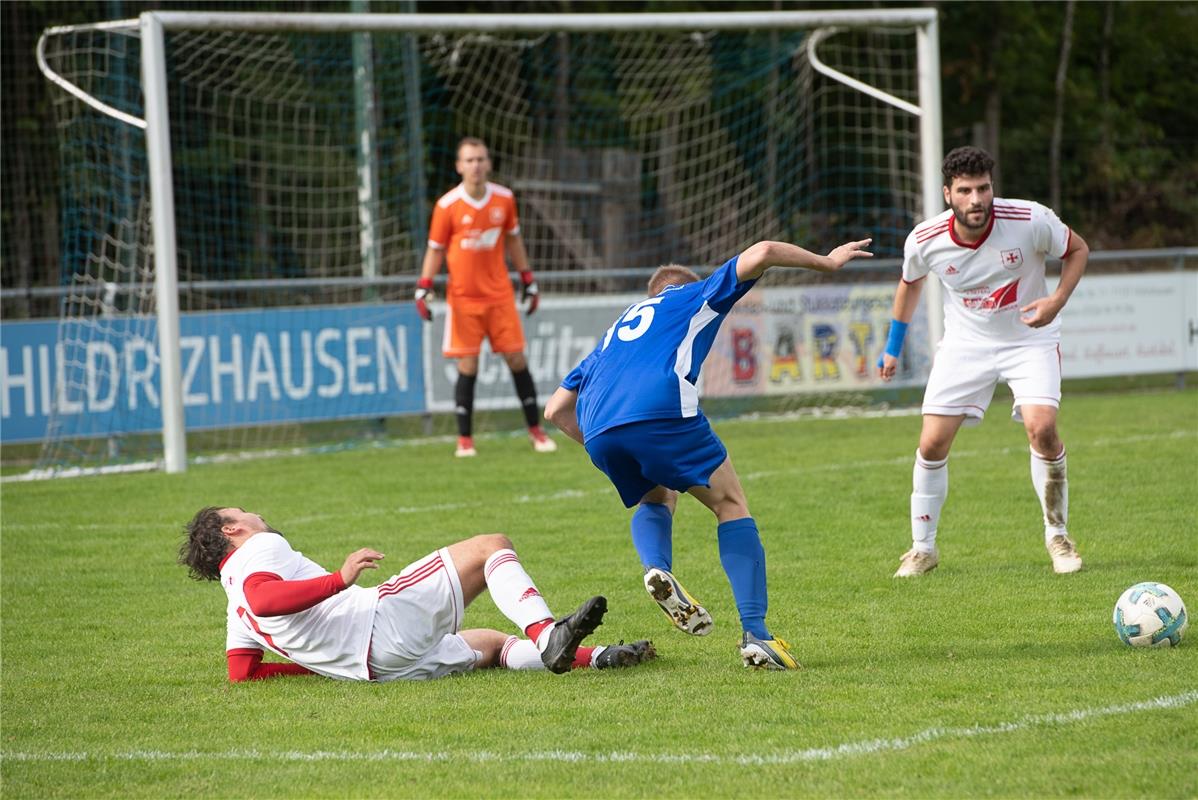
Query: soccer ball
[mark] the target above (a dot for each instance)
(1150, 615)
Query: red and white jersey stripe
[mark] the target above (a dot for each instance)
(986, 282)
(331, 638)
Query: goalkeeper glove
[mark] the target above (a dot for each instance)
(530, 295)
(424, 294)
(894, 341)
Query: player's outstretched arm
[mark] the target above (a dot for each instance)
(561, 410)
(268, 595)
(754, 261)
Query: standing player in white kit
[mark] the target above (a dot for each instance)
(1000, 323)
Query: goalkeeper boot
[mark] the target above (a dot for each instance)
(1065, 558)
(682, 609)
(916, 562)
(766, 653)
(540, 440)
(465, 447)
(568, 632)
(625, 655)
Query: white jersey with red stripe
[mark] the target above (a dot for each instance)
(331, 638)
(986, 282)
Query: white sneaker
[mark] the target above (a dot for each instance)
(916, 562)
(1065, 558)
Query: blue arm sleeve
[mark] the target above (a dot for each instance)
(894, 341)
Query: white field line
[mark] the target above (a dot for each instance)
(574, 494)
(864, 747)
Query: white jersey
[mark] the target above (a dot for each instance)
(988, 281)
(331, 638)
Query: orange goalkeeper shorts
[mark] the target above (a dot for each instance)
(466, 324)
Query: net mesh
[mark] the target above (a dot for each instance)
(625, 150)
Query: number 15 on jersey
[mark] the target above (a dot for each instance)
(634, 322)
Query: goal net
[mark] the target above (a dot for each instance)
(305, 162)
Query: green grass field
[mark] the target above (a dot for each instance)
(990, 677)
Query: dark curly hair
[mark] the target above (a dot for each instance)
(966, 161)
(205, 546)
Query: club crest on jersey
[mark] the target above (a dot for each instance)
(1012, 259)
(496, 215)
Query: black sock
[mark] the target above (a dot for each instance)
(463, 399)
(526, 390)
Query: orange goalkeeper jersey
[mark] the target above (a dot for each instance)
(473, 234)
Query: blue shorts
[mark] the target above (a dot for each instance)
(640, 456)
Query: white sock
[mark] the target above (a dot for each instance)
(520, 654)
(513, 591)
(929, 483)
(1052, 487)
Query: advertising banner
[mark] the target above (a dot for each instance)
(812, 339)
(1130, 325)
(775, 341)
(239, 368)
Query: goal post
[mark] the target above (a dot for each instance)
(282, 172)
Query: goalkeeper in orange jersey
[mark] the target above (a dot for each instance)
(474, 225)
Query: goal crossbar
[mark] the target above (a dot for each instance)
(524, 23)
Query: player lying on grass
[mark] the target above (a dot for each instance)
(634, 404)
(407, 628)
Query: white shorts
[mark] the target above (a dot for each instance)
(416, 623)
(964, 376)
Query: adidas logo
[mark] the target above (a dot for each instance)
(924, 518)
(531, 591)
(952, 270)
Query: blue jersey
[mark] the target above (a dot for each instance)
(648, 363)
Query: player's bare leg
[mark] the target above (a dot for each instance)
(463, 402)
(526, 392)
(929, 489)
(1051, 484)
(652, 533)
(488, 561)
(743, 559)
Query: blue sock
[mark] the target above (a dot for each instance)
(743, 558)
(652, 535)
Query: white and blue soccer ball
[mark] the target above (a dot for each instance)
(1150, 615)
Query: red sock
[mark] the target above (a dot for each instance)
(582, 659)
(535, 630)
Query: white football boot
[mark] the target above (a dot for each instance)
(916, 562)
(1065, 558)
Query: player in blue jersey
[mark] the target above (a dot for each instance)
(634, 404)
